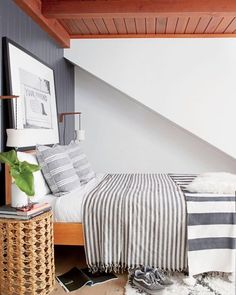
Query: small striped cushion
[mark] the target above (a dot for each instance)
(57, 169)
(80, 162)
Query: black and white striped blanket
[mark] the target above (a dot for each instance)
(135, 219)
(140, 219)
(211, 229)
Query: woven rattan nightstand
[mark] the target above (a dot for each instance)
(27, 256)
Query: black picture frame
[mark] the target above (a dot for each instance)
(33, 80)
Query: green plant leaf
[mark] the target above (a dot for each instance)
(21, 172)
(9, 158)
(14, 172)
(25, 182)
(25, 166)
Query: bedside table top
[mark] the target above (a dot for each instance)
(38, 217)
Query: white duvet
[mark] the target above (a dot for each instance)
(68, 208)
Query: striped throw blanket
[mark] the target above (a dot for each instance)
(211, 229)
(135, 219)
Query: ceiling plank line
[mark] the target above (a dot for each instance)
(187, 25)
(109, 22)
(91, 26)
(231, 27)
(176, 25)
(202, 25)
(223, 25)
(100, 25)
(120, 25)
(194, 31)
(213, 25)
(130, 25)
(171, 25)
(181, 25)
(150, 25)
(81, 25)
(208, 24)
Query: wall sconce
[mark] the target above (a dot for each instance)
(8, 96)
(79, 133)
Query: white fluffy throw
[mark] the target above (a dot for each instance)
(214, 182)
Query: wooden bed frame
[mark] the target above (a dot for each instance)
(65, 233)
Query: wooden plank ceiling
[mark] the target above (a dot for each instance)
(114, 27)
(141, 18)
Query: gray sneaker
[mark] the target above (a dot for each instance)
(160, 275)
(147, 282)
(164, 280)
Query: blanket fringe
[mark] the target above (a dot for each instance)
(110, 267)
(121, 268)
(223, 275)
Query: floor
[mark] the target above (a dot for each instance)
(68, 257)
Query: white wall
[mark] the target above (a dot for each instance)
(192, 82)
(124, 136)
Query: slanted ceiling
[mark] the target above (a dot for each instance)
(67, 19)
(189, 81)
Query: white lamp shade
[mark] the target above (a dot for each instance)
(80, 135)
(27, 137)
(18, 138)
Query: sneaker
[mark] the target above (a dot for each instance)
(164, 280)
(159, 275)
(147, 282)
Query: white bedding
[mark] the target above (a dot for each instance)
(68, 208)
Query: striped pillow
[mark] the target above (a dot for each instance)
(80, 162)
(57, 169)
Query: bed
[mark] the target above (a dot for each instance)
(129, 220)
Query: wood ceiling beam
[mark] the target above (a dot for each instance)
(62, 9)
(51, 26)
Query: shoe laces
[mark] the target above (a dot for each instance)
(160, 273)
(152, 278)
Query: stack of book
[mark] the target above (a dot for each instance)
(14, 213)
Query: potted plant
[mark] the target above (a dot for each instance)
(22, 176)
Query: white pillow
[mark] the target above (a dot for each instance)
(40, 185)
(214, 182)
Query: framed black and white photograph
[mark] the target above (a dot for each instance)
(35, 110)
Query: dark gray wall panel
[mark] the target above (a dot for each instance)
(19, 27)
(16, 25)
